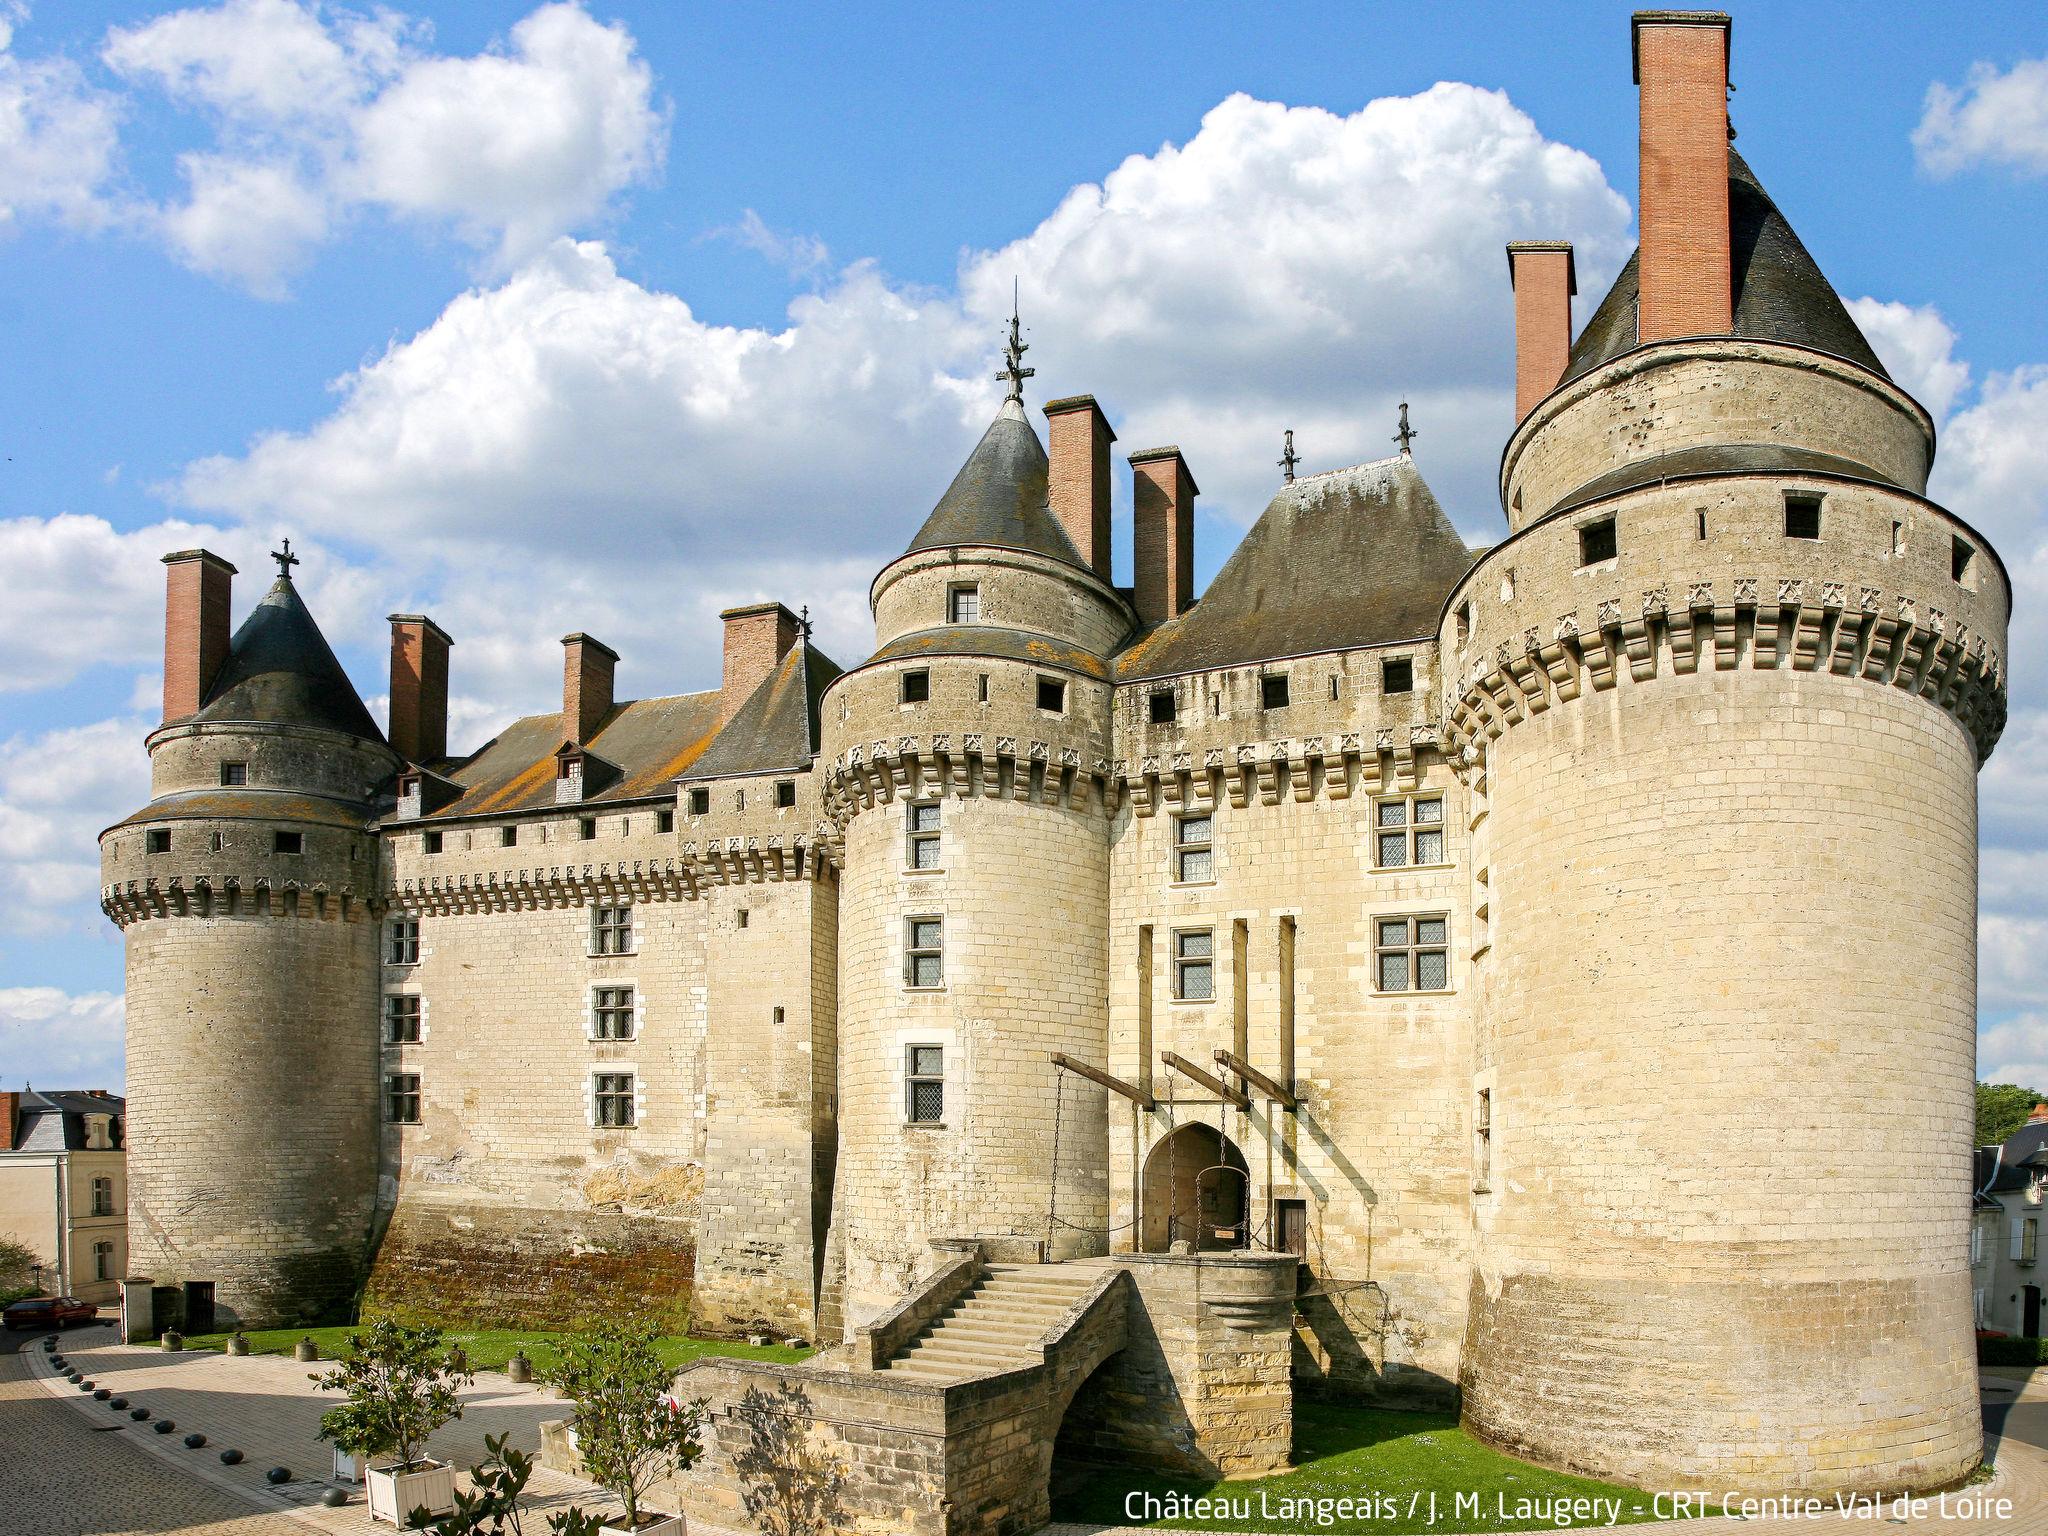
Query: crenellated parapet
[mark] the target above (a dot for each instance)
(1299, 770)
(963, 764)
(210, 895)
(684, 876)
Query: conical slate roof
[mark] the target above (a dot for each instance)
(280, 669)
(999, 496)
(1779, 292)
(1356, 557)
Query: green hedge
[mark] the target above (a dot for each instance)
(2012, 1351)
(8, 1298)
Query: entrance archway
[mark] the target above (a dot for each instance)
(1196, 1184)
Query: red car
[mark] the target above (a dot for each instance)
(50, 1312)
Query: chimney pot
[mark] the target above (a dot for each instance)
(198, 587)
(1544, 279)
(587, 668)
(1162, 534)
(419, 688)
(1079, 453)
(2039, 1113)
(1684, 282)
(757, 637)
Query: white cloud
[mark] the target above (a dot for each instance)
(1998, 118)
(248, 221)
(50, 820)
(800, 256)
(62, 1039)
(271, 61)
(2015, 1050)
(81, 595)
(59, 137)
(1917, 348)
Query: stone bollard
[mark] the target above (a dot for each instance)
(172, 1340)
(238, 1343)
(305, 1349)
(519, 1368)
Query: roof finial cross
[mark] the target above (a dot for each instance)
(1288, 458)
(1013, 353)
(803, 620)
(285, 559)
(1406, 434)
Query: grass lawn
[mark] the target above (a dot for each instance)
(489, 1349)
(1391, 1464)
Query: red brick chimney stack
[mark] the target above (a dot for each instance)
(1079, 451)
(1162, 534)
(419, 688)
(2039, 1114)
(587, 667)
(1545, 280)
(10, 1110)
(198, 585)
(757, 637)
(1681, 63)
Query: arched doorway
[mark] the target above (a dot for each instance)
(1195, 1191)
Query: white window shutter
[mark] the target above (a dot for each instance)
(639, 1012)
(2017, 1236)
(590, 1011)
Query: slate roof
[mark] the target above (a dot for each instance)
(250, 804)
(650, 741)
(989, 640)
(55, 1121)
(1780, 294)
(280, 669)
(1355, 557)
(999, 496)
(777, 728)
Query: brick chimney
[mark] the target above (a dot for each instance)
(1681, 63)
(587, 667)
(1162, 534)
(2039, 1114)
(1544, 279)
(419, 688)
(197, 588)
(757, 637)
(10, 1111)
(1079, 451)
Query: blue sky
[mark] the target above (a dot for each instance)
(544, 318)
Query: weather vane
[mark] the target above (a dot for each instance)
(1288, 458)
(1407, 434)
(285, 559)
(1013, 354)
(804, 620)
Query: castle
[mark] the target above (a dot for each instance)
(1566, 949)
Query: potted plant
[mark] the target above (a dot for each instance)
(401, 1388)
(630, 1432)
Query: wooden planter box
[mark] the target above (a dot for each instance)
(394, 1494)
(661, 1525)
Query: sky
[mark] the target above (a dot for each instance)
(605, 317)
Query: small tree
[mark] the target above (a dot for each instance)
(630, 1431)
(17, 1266)
(400, 1389)
(490, 1505)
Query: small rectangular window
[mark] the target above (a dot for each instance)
(963, 605)
(1597, 542)
(611, 1095)
(1409, 832)
(586, 828)
(103, 1197)
(700, 802)
(1397, 675)
(402, 1098)
(508, 837)
(984, 687)
(404, 948)
(1464, 622)
(1165, 707)
(916, 686)
(103, 1261)
(1194, 855)
(924, 1084)
(1802, 517)
(1052, 695)
(924, 956)
(785, 793)
(611, 1013)
(234, 774)
(157, 840)
(1482, 1140)
(924, 835)
(402, 1018)
(664, 821)
(1959, 556)
(611, 930)
(287, 842)
(1412, 953)
(1700, 523)
(1273, 691)
(741, 916)
(430, 842)
(1194, 978)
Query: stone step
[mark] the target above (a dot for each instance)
(967, 1357)
(1062, 1284)
(1022, 1317)
(930, 1371)
(972, 1327)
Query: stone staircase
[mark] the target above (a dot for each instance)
(999, 1324)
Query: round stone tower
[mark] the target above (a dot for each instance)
(1722, 695)
(243, 891)
(967, 761)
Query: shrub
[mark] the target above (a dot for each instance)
(2005, 1351)
(400, 1389)
(630, 1432)
(17, 1269)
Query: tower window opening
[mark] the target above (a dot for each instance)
(1597, 542)
(1194, 965)
(508, 837)
(963, 605)
(287, 842)
(1464, 622)
(983, 685)
(611, 1013)
(219, 843)
(1412, 954)
(924, 835)
(916, 686)
(1507, 585)
(1164, 707)
(1194, 850)
(924, 952)
(1409, 832)
(404, 946)
(402, 1098)
(1959, 557)
(785, 793)
(924, 1084)
(402, 1018)
(1700, 523)
(742, 916)
(1335, 689)
(1482, 1141)
(430, 842)
(1802, 517)
(157, 840)
(1273, 691)
(1052, 695)
(234, 774)
(1397, 675)
(612, 1101)
(664, 821)
(700, 802)
(611, 930)
(1898, 537)
(586, 828)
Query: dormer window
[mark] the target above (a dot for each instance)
(700, 802)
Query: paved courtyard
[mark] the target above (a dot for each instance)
(70, 1466)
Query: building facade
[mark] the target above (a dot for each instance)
(1485, 927)
(64, 1188)
(2005, 1230)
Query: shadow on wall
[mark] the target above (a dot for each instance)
(789, 1484)
(1131, 1411)
(1340, 1348)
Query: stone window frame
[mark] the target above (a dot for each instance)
(915, 1076)
(103, 1261)
(614, 934)
(664, 822)
(287, 844)
(919, 839)
(402, 940)
(1054, 688)
(234, 775)
(1272, 697)
(1599, 540)
(698, 802)
(1803, 511)
(402, 1098)
(785, 794)
(1393, 668)
(634, 1095)
(595, 1010)
(1194, 852)
(508, 835)
(156, 840)
(103, 1196)
(1484, 1144)
(963, 602)
(393, 1016)
(1171, 698)
(1962, 562)
(1411, 947)
(913, 687)
(1188, 959)
(1410, 830)
(915, 949)
(430, 842)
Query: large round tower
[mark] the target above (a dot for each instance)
(967, 758)
(1722, 697)
(243, 891)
